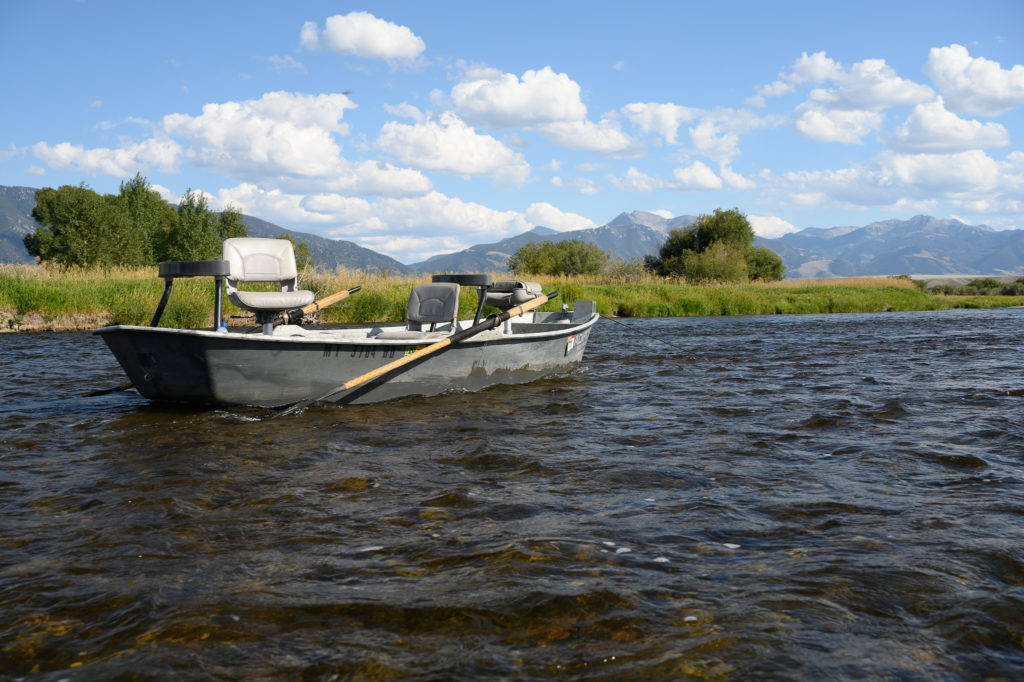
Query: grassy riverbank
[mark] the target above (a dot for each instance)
(42, 298)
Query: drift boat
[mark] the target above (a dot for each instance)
(285, 364)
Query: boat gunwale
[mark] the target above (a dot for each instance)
(255, 335)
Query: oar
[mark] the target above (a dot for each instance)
(291, 316)
(490, 323)
(103, 391)
(287, 317)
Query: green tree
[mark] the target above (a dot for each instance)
(195, 236)
(230, 224)
(568, 257)
(716, 247)
(140, 220)
(303, 259)
(763, 264)
(73, 229)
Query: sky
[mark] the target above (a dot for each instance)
(418, 128)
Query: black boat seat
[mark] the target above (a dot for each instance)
(255, 259)
(508, 293)
(433, 304)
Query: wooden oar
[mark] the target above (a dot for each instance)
(292, 316)
(287, 317)
(490, 323)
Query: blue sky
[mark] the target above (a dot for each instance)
(417, 128)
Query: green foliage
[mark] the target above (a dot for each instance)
(79, 227)
(569, 257)
(985, 286)
(763, 264)
(73, 229)
(230, 224)
(303, 259)
(195, 236)
(715, 248)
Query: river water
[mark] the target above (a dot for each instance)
(799, 497)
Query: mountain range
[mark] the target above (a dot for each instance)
(920, 245)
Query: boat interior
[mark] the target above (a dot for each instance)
(431, 313)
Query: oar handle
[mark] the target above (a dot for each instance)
(293, 316)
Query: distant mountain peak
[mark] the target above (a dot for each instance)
(545, 231)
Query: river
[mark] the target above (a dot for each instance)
(791, 497)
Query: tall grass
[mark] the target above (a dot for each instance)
(130, 295)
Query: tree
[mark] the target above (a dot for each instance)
(73, 226)
(230, 224)
(195, 236)
(568, 257)
(763, 264)
(715, 247)
(303, 259)
(141, 220)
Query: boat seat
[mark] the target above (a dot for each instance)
(256, 259)
(508, 293)
(430, 305)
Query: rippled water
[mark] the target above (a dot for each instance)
(797, 497)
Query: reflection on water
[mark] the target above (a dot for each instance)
(795, 497)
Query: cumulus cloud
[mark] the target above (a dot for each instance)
(870, 85)
(279, 134)
(838, 125)
(604, 137)
(931, 127)
(447, 144)
(361, 34)
(502, 100)
(661, 118)
(695, 177)
(127, 160)
(974, 85)
(770, 227)
(893, 179)
(543, 213)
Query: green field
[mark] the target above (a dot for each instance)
(36, 297)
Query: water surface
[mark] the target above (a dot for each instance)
(782, 496)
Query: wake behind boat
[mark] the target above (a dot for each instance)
(287, 364)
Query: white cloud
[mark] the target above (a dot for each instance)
(605, 137)
(543, 213)
(694, 177)
(361, 34)
(771, 227)
(661, 118)
(405, 110)
(501, 100)
(664, 213)
(35, 170)
(585, 186)
(735, 180)
(873, 85)
(974, 85)
(838, 125)
(279, 134)
(447, 144)
(309, 36)
(932, 128)
(709, 138)
(287, 62)
(638, 181)
(895, 180)
(161, 153)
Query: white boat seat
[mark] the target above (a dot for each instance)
(508, 293)
(255, 259)
(429, 304)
